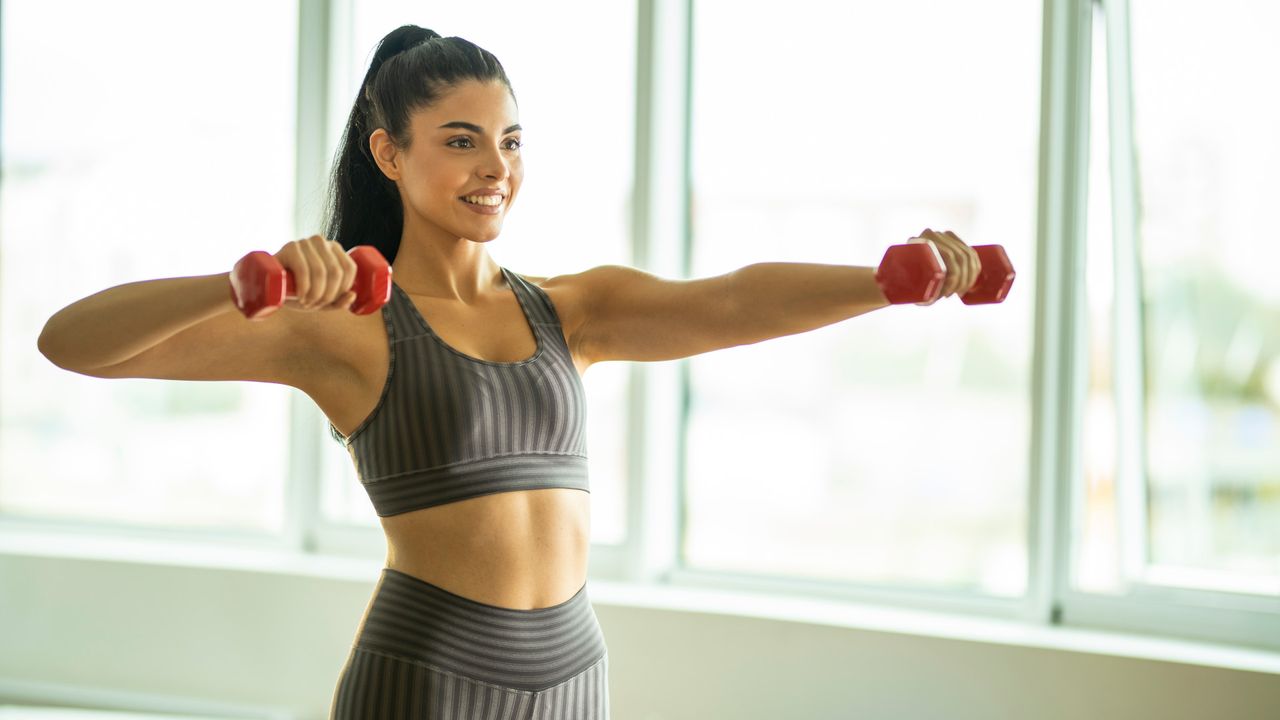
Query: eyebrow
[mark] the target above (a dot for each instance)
(476, 128)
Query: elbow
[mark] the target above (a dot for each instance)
(44, 345)
(47, 344)
(50, 356)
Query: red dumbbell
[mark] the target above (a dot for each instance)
(260, 284)
(913, 273)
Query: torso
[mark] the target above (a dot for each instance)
(521, 549)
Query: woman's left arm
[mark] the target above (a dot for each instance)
(630, 314)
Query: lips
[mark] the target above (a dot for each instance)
(482, 209)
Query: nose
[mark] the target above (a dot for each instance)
(495, 165)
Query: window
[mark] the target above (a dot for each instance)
(1183, 424)
(576, 96)
(889, 448)
(134, 149)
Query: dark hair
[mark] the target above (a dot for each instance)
(411, 68)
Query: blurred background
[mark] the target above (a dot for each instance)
(1015, 502)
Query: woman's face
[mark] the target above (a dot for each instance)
(448, 158)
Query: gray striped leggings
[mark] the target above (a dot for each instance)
(422, 652)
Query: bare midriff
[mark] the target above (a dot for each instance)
(523, 549)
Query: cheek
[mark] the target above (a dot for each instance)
(438, 187)
(429, 199)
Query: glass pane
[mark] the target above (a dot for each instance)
(1097, 553)
(131, 152)
(892, 447)
(1206, 113)
(572, 139)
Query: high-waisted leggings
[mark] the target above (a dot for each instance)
(425, 653)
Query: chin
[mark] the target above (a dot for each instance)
(483, 238)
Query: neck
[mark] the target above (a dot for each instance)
(444, 266)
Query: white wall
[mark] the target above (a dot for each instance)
(278, 639)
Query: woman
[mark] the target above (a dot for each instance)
(461, 401)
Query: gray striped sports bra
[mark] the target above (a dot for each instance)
(450, 427)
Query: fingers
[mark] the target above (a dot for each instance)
(959, 260)
(340, 274)
(926, 238)
(322, 273)
(972, 264)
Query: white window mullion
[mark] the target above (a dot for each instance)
(659, 233)
(1127, 345)
(302, 489)
(1057, 386)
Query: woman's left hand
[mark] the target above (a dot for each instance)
(960, 262)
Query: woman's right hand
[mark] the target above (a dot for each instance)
(323, 274)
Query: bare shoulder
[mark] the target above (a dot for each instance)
(570, 294)
(567, 293)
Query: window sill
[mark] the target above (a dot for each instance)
(878, 618)
(30, 542)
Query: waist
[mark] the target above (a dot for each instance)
(522, 549)
(529, 650)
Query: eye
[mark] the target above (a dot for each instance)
(467, 140)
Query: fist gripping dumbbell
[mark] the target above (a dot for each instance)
(260, 284)
(913, 273)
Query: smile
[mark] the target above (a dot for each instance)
(483, 209)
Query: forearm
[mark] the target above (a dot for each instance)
(116, 324)
(774, 299)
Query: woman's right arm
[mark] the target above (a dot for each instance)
(182, 328)
(188, 328)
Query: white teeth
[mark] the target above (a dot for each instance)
(484, 199)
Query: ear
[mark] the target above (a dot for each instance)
(384, 153)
